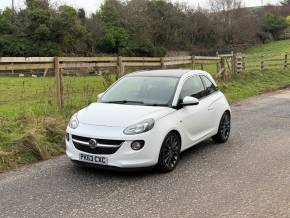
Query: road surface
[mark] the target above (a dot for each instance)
(247, 177)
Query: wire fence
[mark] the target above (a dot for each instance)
(74, 82)
(37, 95)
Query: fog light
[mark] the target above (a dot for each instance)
(137, 145)
(67, 137)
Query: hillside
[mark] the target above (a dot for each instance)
(272, 47)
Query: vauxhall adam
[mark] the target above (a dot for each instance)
(147, 119)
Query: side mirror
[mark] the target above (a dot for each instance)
(100, 96)
(188, 100)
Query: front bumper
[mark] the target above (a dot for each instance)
(125, 156)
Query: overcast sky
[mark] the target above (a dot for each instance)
(93, 5)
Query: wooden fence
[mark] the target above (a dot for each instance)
(285, 35)
(118, 64)
(224, 65)
(262, 61)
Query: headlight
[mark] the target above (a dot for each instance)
(74, 122)
(141, 127)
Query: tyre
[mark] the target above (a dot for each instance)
(224, 129)
(169, 153)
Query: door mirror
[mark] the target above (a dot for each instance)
(188, 100)
(100, 96)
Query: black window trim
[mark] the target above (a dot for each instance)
(208, 94)
(191, 76)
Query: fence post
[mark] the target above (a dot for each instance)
(234, 66)
(59, 83)
(286, 60)
(120, 67)
(244, 62)
(223, 75)
(162, 63)
(193, 62)
(262, 62)
(218, 63)
(12, 64)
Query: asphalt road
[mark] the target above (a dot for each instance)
(247, 177)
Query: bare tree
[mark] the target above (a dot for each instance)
(229, 18)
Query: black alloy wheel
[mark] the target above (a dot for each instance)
(224, 129)
(169, 153)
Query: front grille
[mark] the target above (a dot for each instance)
(106, 146)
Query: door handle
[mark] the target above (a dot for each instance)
(210, 108)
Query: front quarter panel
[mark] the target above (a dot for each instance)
(220, 105)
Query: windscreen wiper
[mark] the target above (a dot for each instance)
(157, 105)
(124, 102)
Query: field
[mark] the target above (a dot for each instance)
(272, 47)
(32, 128)
(37, 95)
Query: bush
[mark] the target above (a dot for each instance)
(265, 36)
(273, 24)
(143, 50)
(114, 40)
(16, 46)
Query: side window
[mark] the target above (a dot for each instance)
(209, 86)
(192, 87)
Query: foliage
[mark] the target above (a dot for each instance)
(273, 24)
(114, 40)
(265, 36)
(288, 20)
(40, 30)
(134, 28)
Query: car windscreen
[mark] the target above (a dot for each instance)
(143, 90)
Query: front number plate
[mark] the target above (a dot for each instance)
(93, 159)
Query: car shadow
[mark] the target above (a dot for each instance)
(187, 155)
(198, 148)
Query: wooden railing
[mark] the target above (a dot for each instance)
(262, 61)
(285, 35)
(116, 64)
(225, 66)
(44, 63)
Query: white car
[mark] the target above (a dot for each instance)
(147, 118)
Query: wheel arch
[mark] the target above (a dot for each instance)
(229, 112)
(171, 131)
(178, 134)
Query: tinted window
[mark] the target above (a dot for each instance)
(149, 90)
(192, 87)
(210, 87)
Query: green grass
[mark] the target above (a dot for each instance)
(272, 47)
(37, 95)
(32, 128)
(254, 83)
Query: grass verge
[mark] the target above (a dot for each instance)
(254, 83)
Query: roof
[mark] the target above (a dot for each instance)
(178, 73)
(166, 73)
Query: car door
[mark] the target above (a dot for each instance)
(193, 118)
(211, 97)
